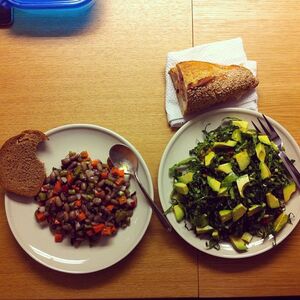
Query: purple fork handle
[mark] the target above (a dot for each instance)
(290, 167)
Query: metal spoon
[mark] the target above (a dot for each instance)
(124, 158)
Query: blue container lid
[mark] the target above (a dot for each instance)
(40, 4)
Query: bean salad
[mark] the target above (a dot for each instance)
(85, 199)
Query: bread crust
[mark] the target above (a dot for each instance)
(200, 85)
(20, 170)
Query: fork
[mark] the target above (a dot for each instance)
(275, 138)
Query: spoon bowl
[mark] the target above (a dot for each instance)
(124, 158)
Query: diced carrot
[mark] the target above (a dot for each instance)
(84, 154)
(97, 228)
(40, 216)
(58, 237)
(57, 187)
(77, 203)
(117, 172)
(119, 181)
(110, 207)
(70, 178)
(81, 216)
(95, 163)
(108, 230)
(104, 174)
(122, 199)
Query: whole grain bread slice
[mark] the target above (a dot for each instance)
(21, 172)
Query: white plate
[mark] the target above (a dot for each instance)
(39, 243)
(178, 148)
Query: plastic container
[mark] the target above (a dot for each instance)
(6, 7)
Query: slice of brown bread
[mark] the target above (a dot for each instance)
(21, 172)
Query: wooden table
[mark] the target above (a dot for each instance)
(107, 68)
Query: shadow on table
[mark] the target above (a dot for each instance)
(53, 23)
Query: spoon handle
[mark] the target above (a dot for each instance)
(163, 219)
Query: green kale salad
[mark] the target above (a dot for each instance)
(232, 187)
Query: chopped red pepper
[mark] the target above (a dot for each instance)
(122, 199)
(77, 203)
(81, 216)
(119, 181)
(58, 237)
(95, 163)
(70, 178)
(57, 187)
(108, 230)
(104, 174)
(84, 154)
(110, 207)
(117, 172)
(97, 228)
(40, 216)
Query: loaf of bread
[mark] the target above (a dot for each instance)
(200, 85)
(21, 172)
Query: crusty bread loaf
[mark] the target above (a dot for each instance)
(20, 170)
(200, 85)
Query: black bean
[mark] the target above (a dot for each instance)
(74, 157)
(66, 207)
(72, 215)
(66, 161)
(52, 176)
(58, 201)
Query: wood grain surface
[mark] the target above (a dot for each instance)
(270, 32)
(105, 66)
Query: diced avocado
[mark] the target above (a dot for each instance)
(181, 188)
(264, 170)
(215, 234)
(178, 212)
(202, 221)
(229, 179)
(243, 159)
(247, 237)
(254, 209)
(260, 151)
(229, 143)
(213, 183)
(225, 215)
(272, 200)
(226, 168)
(251, 132)
(209, 157)
(238, 212)
(231, 193)
(288, 190)
(241, 183)
(243, 125)
(223, 191)
(280, 222)
(238, 243)
(186, 178)
(205, 229)
(264, 139)
(274, 146)
(236, 135)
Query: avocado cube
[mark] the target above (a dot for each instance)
(264, 139)
(243, 159)
(260, 151)
(288, 190)
(264, 170)
(208, 158)
(226, 168)
(236, 135)
(238, 243)
(247, 237)
(229, 179)
(215, 234)
(205, 229)
(254, 209)
(241, 183)
(186, 178)
(225, 215)
(178, 212)
(181, 188)
(213, 183)
(280, 222)
(238, 212)
(229, 144)
(272, 200)
(243, 125)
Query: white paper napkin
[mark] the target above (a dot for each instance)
(226, 52)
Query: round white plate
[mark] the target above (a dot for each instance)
(39, 242)
(178, 149)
